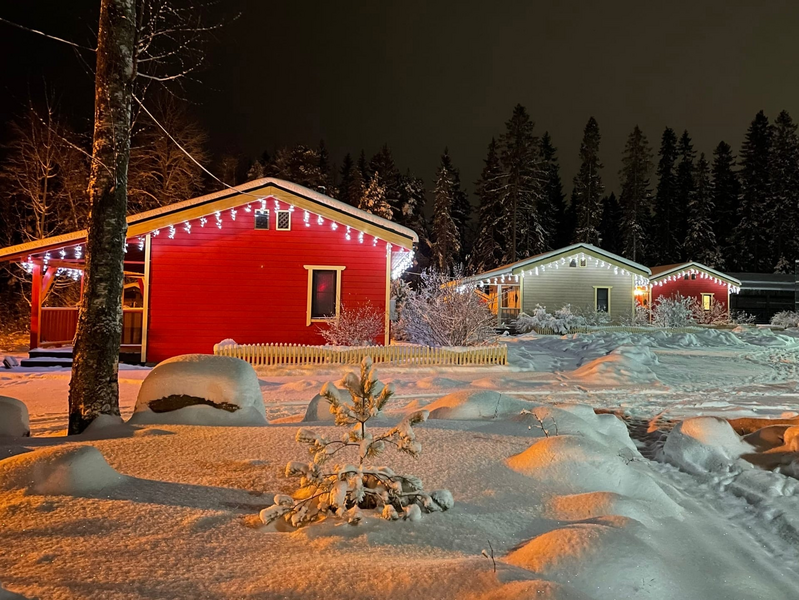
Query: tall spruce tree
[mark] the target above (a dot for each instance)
(523, 188)
(558, 226)
(328, 180)
(461, 211)
(349, 173)
(489, 244)
(700, 240)
(609, 227)
(784, 213)
(753, 230)
(383, 163)
(665, 246)
(588, 188)
(374, 199)
(636, 195)
(685, 187)
(412, 202)
(446, 246)
(725, 193)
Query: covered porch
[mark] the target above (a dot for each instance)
(503, 296)
(57, 281)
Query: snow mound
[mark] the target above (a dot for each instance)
(318, 410)
(704, 445)
(579, 464)
(578, 419)
(590, 556)
(536, 589)
(472, 405)
(625, 364)
(13, 418)
(199, 389)
(64, 470)
(791, 439)
(589, 505)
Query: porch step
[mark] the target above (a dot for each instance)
(62, 357)
(46, 361)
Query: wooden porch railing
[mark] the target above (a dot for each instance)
(288, 354)
(58, 325)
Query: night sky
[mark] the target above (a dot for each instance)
(424, 75)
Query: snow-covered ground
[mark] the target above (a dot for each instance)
(578, 514)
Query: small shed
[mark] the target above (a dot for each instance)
(709, 287)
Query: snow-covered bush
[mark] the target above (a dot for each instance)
(344, 490)
(740, 317)
(785, 318)
(674, 311)
(641, 317)
(563, 321)
(359, 326)
(593, 317)
(445, 311)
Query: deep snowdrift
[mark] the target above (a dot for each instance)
(197, 389)
(13, 418)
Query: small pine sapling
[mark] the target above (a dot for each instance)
(345, 490)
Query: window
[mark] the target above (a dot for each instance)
(583, 262)
(324, 292)
(283, 220)
(573, 262)
(707, 301)
(693, 275)
(602, 299)
(685, 276)
(262, 219)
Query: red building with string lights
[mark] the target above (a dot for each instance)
(266, 262)
(708, 286)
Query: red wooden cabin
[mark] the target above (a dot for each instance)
(268, 261)
(693, 280)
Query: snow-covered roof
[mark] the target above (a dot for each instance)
(248, 189)
(662, 271)
(548, 256)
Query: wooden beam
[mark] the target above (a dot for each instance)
(145, 320)
(36, 305)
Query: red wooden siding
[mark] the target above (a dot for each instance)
(693, 288)
(251, 285)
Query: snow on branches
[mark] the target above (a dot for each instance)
(355, 326)
(345, 490)
(445, 311)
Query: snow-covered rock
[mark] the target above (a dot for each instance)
(475, 405)
(704, 445)
(14, 420)
(318, 410)
(64, 470)
(199, 389)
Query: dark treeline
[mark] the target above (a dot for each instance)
(673, 204)
(726, 211)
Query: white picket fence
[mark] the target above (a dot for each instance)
(296, 354)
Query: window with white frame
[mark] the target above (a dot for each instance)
(283, 220)
(707, 301)
(324, 292)
(602, 299)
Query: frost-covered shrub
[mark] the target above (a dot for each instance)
(674, 311)
(717, 315)
(740, 317)
(445, 311)
(593, 317)
(344, 490)
(785, 318)
(640, 318)
(561, 322)
(359, 326)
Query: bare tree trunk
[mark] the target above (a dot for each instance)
(94, 388)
